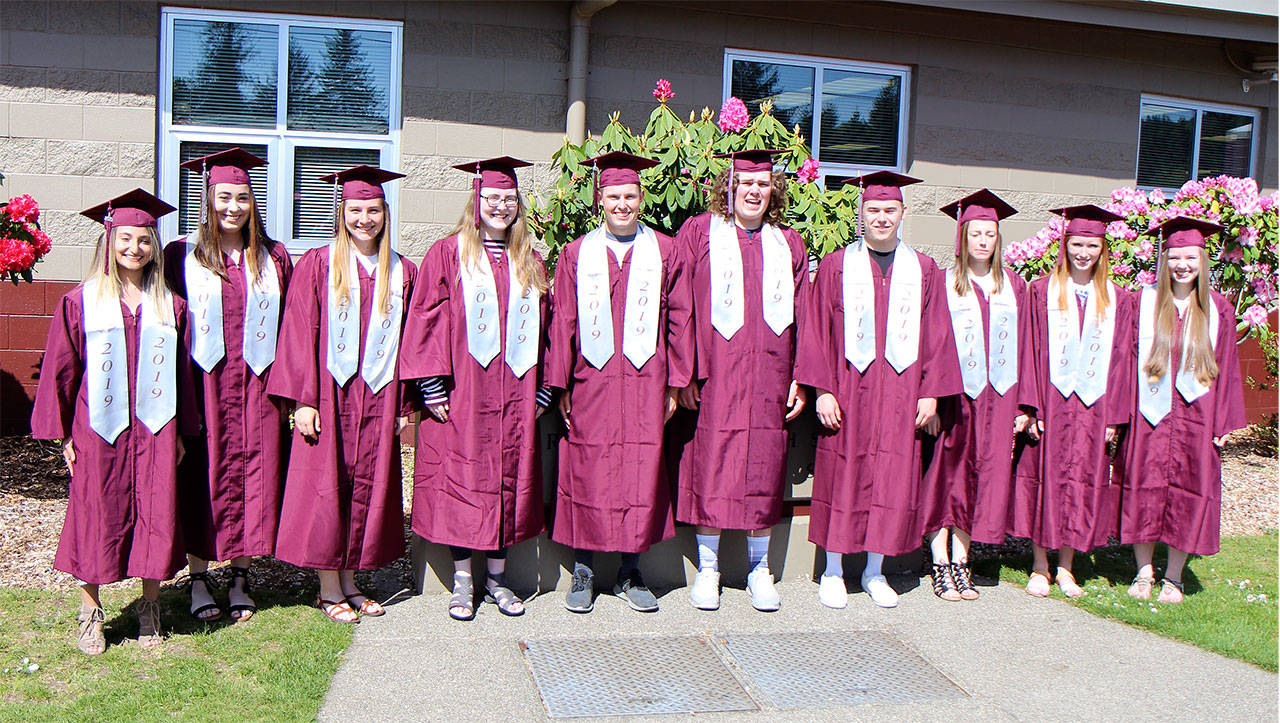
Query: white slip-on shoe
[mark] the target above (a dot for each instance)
(764, 596)
(881, 594)
(704, 593)
(832, 592)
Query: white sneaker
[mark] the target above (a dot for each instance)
(832, 593)
(881, 594)
(764, 596)
(704, 593)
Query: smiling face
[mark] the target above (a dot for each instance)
(621, 206)
(232, 206)
(751, 197)
(132, 247)
(498, 210)
(1184, 265)
(981, 239)
(1083, 252)
(880, 220)
(364, 219)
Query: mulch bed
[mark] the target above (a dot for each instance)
(33, 503)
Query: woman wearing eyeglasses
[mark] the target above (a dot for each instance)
(474, 340)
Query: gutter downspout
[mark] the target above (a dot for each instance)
(575, 115)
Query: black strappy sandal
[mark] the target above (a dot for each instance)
(504, 597)
(196, 612)
(964, 581)
(238, 610)
(943, 583)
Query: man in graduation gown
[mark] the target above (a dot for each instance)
(621, 348)
(733, 468)
(877, 348)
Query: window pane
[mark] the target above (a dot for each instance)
(189, 181)
(860, 118)
(313, 199)
(1165, 138)
(224, 74)
(790, 87)
(1225, 140)
(339, 80)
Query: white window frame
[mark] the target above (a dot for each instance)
(1199, 107)
(280, 141)
(819, 65)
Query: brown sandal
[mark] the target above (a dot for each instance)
(150, 634)
(332, 609)
(91, 640)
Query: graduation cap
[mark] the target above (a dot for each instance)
(1184, 231)
(135, 208)
(881, 185)
(229, 166)
(982, 205)
(749, 161)
(616, 168)
(362, 182)
(1086, 220)
(491, 173)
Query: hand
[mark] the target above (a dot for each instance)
(828, 410)
(182, 448)
(307, 421)
(69, 454)
(1218, 442)
(690, 396)
(439, 411)
(927, 416)
(796, 398)
(566, 406)
(1111, 435)
(1029, 424)
(669, 403)
(401, 423)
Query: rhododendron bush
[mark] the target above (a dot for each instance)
(675, 189)
(1242, 258)
(22, 243)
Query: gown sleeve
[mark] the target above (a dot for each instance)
(816, 353)
(61, 372)
(563, 346)
(428, 334)
(939, 363)
(1120, 399)
(1228, 409)
(296, 372)
(681, 348)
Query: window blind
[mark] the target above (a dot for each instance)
(224, 74)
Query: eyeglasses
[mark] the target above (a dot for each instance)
(495, 201)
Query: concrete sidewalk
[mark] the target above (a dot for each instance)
(1016, 658)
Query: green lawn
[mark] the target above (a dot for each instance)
(276, 666)
(1230, 605)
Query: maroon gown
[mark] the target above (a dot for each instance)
(614, 494)
(232, 479)
(969, 480)
(1171, 486)
(477, 479)
(342, 499)
(122, 511)
(867, 482)
(1063, 496)
(732, 471)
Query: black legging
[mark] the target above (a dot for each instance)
(462, 553)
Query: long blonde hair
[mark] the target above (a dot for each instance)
(207, 239)
(1198, 355)
(153, 283)
(529, 269)
(963, 262)
(1061, 275)
(343, 247)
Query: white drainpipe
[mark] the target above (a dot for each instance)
(575, 115)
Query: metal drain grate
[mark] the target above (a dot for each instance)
(811, 670)
(633, 675)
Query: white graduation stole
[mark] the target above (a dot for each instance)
(1156, 399)
(902, 347)
(978, 363)
(107, 368)
(382, 339)
(261, 314)
(1079, 360)
(640, 314)
(727, 289)
(480, 300)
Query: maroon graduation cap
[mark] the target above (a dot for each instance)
(982, 205)
(616, 168)
(1183, 231)
(491, 173)
(135, 208)
(1086, 220)
(881, 185)
(362, 182)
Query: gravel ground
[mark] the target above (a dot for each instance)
(33, 502)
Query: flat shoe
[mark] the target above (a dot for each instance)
(1141, 588)
(704, 593)
(764, 595)
(1038, 588)
(369, 607)
(91, 640)
(832, 593)
(333, 609)
(881, 594)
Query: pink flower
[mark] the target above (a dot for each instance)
(41, 241)
(733, 115)
(808, 172)
(1249, 236)
(662, 91)
(1122, 269)
(1255, 315)
(23, 208)
(1146, 249)
(1146, 278)
(1156, 197)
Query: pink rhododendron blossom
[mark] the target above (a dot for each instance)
(23, 208)
(1146, 249)
(1234, 255)
(808, 172)
(1249, 236)
(1116, 254)
(1122, 269)
(1145, 278)
(733, 115)
(1255, 315)
(662, 91)
(1156, 196)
